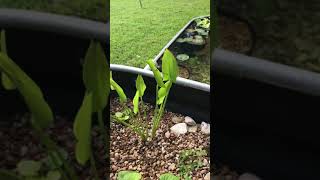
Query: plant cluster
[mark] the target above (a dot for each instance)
(136, 119)
(134, 175)
(96, 80)
(190, 160)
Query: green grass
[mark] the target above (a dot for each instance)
(139, 34)
(91, 9)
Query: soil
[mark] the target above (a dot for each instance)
(18, 142)
(155, 157)
(234, 35)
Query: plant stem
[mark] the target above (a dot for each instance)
(64, 176)
(103, 130)
(140, 4)
(93, 167)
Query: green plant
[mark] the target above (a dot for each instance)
(164, 83)
(168, 176)
(128, 175)
(96, 80)
(190, 160)
(203, 23)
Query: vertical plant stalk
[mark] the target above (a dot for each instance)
(103, 130)
(93, 167)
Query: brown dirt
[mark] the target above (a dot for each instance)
(18, 142)
(155, 157)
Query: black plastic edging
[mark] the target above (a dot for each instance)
(241, 66)
(72, 26)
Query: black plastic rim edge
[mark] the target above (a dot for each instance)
(73, 26)
(242, 66)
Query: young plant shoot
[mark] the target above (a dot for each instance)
(41, 115)
(164, 82)
(96, 80)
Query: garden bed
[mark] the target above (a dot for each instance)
(19, 142)
(159, 156)
(191, 47)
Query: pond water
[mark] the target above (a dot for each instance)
(192, 51)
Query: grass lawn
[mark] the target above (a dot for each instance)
(91, 9)
(139, 34)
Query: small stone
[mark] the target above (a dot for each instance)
(180, 128)
(192, 129)
(205, 162)
(189, 121)
(172, 167)
(167, 134)
(207, 177)
(116, 155)
(176, 119)
(205, 128)
(248, 176)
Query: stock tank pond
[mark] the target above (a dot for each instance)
(191, 47)
(181, 145)
(49, 48)
(266, 118)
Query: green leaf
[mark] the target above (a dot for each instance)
(28, 168)
(156, 72)
(40, 110)
(8, 175)
(170, 68)
(128, 175)
(53, 175)
(50, 160)
(119, 90)
(168, 176)
(7, 83)
(163, 92)
(82, 128)
(136, 103)
(96, 75)
(140, 85)
(119, 114)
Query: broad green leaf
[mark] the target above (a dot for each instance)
(7, 83)
(156, 72)
(170, 68)
(82, 128)
(136, 103)
(163, 92)
(8, 175)
(140, 85)
(53, 175)
(32, 94)
(168, 176)
(166, 65)
(128, 175)
(119, 90)
(28, 168)
(96, 75)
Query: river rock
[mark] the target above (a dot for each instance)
(192, 129)
(248, 176)
(207, 177)
(205, 128)
(180, 128)
(167, 134)
(176, 119)
(189, 121)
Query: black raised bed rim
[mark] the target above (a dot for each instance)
(265, 117)
(48, 47)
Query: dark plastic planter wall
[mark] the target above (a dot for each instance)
(266, 116)
(49, 48)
